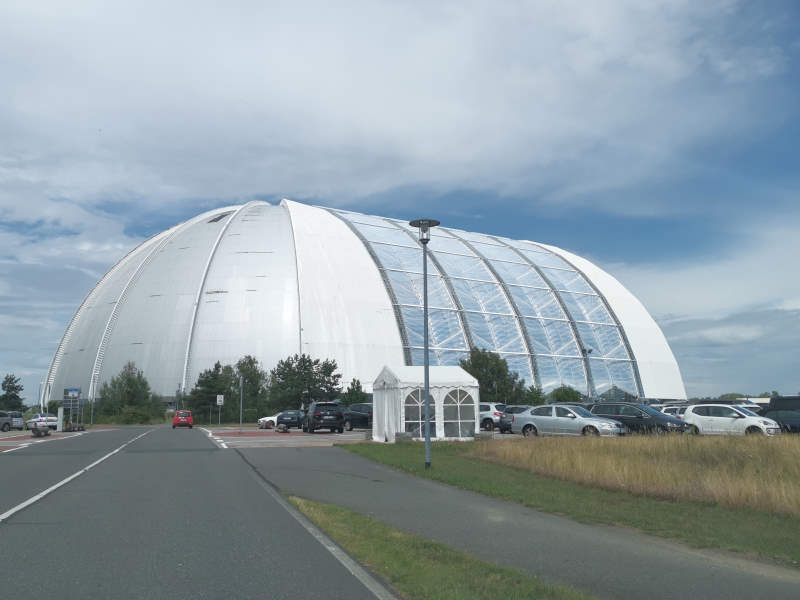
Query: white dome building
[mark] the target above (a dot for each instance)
(273, 280)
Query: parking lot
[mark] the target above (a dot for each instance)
(250, 437)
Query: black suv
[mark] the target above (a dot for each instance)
(323, 415)
(358, 415)
(638, 417)
(290, 418)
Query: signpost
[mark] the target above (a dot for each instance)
(220, 402)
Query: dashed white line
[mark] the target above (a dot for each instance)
(63, 482)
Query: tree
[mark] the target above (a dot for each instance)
(202, 400)
(10, 399)
(299, 379)
(256, 384)
(534, 396)
(127, 398)
(354, 393)
(565, 394)
(730, 397)
(497, 383)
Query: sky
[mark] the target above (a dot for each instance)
(657, 139)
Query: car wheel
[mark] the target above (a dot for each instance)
(310, 428)
(173, 426)
(529, 430)
(694, 430)
(590, 431)
(488, 424)
(340, 430)
(348, 425)
(333, 429)
(6, 426)
(753, 431)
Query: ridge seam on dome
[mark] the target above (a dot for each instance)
(450, 289)
(520, 321)
(584, 355)
(389, 290)
(199, 296)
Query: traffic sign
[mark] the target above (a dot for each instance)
(220, 399)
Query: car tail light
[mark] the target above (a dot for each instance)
(316, 414)
(497, 414)
(512, 418)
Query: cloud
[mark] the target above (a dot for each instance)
(556, 99)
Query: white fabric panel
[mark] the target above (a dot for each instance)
(154, 321)
(79, 350)
(658, 369)
(249, 301)
(345, 311)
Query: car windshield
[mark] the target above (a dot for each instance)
(744, 411)
(651, 411)
(580, 411)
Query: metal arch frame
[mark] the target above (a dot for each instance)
(610, 310)
(112, 318)
(199, 296)
(584, 355)
(395, 304)
(520, 320)
(56, 362)
(296, 277)
(448, 284)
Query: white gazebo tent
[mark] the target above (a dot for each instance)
(398, 403)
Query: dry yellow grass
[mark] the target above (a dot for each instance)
(740, 472)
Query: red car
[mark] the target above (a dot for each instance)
(183, 418)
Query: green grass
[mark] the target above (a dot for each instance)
(418, 568)
(703, 525)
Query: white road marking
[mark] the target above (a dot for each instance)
(373, 585)
(63, 482)
(17, 448)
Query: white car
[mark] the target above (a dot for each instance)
(49, 418)
(725, 419)
(674, 411)
(268, 422)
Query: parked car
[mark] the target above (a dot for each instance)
(674, 411)
(721, 419)
(17, 420)
(49, 418)
(490, 415)
(563, 419)
(5, 421)
(358, 415)
(789, 420)
(639, 417)
(290, 418)
(323, 415)
(268, 422)
(505, 421)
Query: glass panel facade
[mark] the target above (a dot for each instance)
(484, 306)
(518, 274)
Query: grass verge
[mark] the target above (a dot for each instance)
(418, 568)
(699, 524)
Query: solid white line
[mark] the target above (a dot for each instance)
(373, 585)
(53, 488)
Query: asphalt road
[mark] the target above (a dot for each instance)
(169, 516)
(606, 561)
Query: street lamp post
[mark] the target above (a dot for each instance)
(425, 226)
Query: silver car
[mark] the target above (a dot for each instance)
(563, 419)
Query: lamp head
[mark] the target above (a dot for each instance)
(424, 226)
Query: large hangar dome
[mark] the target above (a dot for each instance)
(273, 280)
